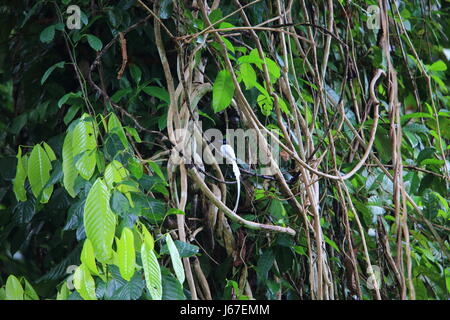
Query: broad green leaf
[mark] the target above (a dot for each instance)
(133, 132)
(126, 254)
(13, 289)
(152, 271)
(120, 205)
(223, 91)
(114, 126)
(21, 175)
(331, 243)
(88, 257)
(136, 168)
(156, 169)
(172, 211)
(49, 71)
(71, 113)
(47, 34)
(283, 106)
(99, 220)
(84, 283)
(115, 173)
(447, 279)
(248, 75)
(228, 44)
(157, 92)
(84, 145)
(226, 25)
(94, 42)
(39, 167)
(255, 59)
(50, 152)
(136, 72)
(148, 238)
(69, 170)
(29, 292)
(67, 97)
(438, 66)
(63, 293)
(121, 289)
(185, 250)
(172, 288)
(274, 70)
(177, 264)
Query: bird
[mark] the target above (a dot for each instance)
(227, 151)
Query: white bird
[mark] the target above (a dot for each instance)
(228, 152)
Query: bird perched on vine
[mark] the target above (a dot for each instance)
(228, 153)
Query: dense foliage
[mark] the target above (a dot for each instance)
(99, 198)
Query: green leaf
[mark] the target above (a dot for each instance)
(84, 145)
(173, 211)
(47, 34)
(153, 209)
(228, 44)
(136, 168)
(152, 271)
(136, 72)
(133, 132)
(255, 59)
(447, 279)
(13, 289)
(223, 91)
(114, 126)
(438, 66)
(94, 42)
(265, 263)
(50, 152)
(63, 293)
(69, 169)
(84, 283)
(88, 258)
(157, 92)
(274, 70)
(283, 106)
(39, 167)
(21, 175)
(121, 289)
(331, 243)
(29, 293)
(185, 250)
(156, 169)
(248, 75)
(70, 114)
(177, 264)
(120, 204)
(226, 25)
(49, 71)
(99, 220)
(126, 254)
(172, 288)
(147, 237)
(68, 96)
(115, 173)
